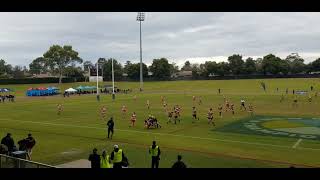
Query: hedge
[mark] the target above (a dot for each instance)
(40, 80)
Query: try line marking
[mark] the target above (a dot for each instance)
(297, 143)
(162, 134)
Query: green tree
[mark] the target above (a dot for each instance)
(186, 66)
(272, 64)
(38, 66)
(87, 65)
(236, 64)
(315, 65)
(250, 66)
(133, 70)
(107, 69)
(58, 58)
(18, 72)
(296, 63)
(209, 67)
(160, 68)
(72, 71)
(196, 71)
(223, 69)
(2, 67)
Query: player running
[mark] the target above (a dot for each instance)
(176, 115)
(309, 98)
(242, 105)
(165, 105)
(133, 119)
(170, 114)
(227, 105)
(135, 98)
(220, 110)
(194, 114)
(103, 112)
(210, 117)
(59, 108)
(200, 100)
(250, 109)
(295, 101)
(148, 104)
(194, 99)
(124, 111)
(232, 108)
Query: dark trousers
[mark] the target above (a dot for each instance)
(117, 165)
(110, 130)
(155, 162)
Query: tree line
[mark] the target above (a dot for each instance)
(65, 61)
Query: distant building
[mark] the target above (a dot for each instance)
(182, 74)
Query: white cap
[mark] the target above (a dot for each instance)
(116, 146)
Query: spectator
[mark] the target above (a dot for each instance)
(31, 142)
(94, 158)
(117, 157)
(8, 141)
(23, 145)
(3, 149)
(179, 163)
(154, 151)
(105, 161)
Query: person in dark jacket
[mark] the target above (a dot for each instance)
(31, 142)
(179, 163)
(94, 158)
(110, 125)
(8, 141)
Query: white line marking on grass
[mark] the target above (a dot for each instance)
(297, 143)
(164, 134)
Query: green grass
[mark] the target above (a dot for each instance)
(78, 130)
(282, 124)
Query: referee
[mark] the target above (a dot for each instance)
(110, 125)
(154, 151)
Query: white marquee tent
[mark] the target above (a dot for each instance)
(70, 90)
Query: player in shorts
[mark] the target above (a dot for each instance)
(309, 98)
(148, 104)
(194, 114)
(242, 105)
(176, 115)
(295, 102)
(232, 108)
(59, 108)
(193, 99)
(210, 117)
(135, 97)
(103, 111)
(124, 111)
(220, 110)
(165, 105)
(200, 101)
(250, 109)
(170, 114)
(133, 119)
(227, 105)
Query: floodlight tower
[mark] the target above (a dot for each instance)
(140, 18)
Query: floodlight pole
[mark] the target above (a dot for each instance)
(140, 18)
(97, 77)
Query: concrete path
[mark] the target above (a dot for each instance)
(81, 163)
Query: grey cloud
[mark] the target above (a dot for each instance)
(177, 36)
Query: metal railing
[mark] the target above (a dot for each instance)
(13, 162)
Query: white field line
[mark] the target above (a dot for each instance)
(297, 143)
(164, 134)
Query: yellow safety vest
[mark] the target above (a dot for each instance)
(154, 152)
(104, 162)
(117, 156)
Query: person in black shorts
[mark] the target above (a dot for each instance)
(232, 108)
(170, 114)
(194, 114)
(210, 117)
(110, 125)
(220, 110)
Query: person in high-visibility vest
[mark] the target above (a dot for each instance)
(154, 151)
(117, 157)
(105, 161)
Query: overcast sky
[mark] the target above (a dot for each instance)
(177, 36)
